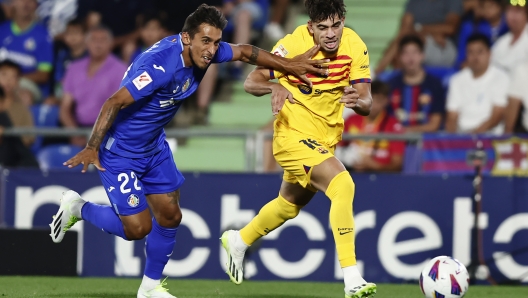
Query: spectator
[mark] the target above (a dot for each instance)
(75, 48)
(19, 114)
(518, 97)
(90, 81)
(273, 28)
(379, 155)
(244, 15)
(123, 17)
(490, 21)
(436, 21)
(13, 153)
(27, 43)
(512, 49)
(56, 14)
(5, 10)
(28, 93)
(477, 94)
(151, 32)
(417, 99)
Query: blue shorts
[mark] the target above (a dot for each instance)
(127, 181)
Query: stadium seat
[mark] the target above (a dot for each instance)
(51, 157)
(43, 116)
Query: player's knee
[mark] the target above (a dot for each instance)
(342, 187)
(287, 210)
(138, 231)
(170, 220)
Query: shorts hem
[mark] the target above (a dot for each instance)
(133, 212)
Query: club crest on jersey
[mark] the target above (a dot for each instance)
(304, 89)
(30, 44)
(142, 80)
(186, 85)
(322, 150)
(133, 200)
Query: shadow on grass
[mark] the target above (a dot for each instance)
(97, 295)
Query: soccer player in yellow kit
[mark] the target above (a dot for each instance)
(306, 131)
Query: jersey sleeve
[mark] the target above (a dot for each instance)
(223, 54)
(148, 77)
(44, 53)
(284, 48)
(360, 68)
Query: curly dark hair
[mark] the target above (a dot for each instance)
(204, 14)
(320, 10)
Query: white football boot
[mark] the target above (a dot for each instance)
(158, 292)
(69, 213)
(235, 258)
(365, 290)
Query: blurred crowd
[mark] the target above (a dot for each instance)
(61, 59)
(454, 66)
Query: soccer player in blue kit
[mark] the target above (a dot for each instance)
(128, 144)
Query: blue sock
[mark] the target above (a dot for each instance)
(160, 243)
(104, 218)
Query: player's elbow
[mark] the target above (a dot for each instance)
(249, 87)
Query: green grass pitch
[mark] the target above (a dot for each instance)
(123, 287)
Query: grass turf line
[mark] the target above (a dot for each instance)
(13, 286)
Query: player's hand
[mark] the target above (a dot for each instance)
(302, 64)
(279, 94)
(86, 157)
(350, 98)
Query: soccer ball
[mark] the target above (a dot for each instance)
(444, 277)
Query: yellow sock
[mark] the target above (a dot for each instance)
(341, 192)
(270, 217)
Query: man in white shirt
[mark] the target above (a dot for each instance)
(518, 96)
(477, 94)
(512, 48)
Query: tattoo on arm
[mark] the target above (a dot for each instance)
(254, 55)
(175, 197)
(104, 121)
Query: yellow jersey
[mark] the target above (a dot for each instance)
(317, 111)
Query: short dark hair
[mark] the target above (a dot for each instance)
(479, 37)
(321, 10)
(204, 14)
(77, 23)
(379, 88)
(11, 64)
(499, 2)
(411, 39)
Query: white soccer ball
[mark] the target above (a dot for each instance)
(444, 277)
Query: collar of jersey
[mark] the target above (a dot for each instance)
(181, 54)
(17, 31)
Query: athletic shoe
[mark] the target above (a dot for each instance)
(65, 218)
(363, 291)
(158, 292)
(235, 258)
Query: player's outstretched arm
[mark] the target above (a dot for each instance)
(298, 66)
(358, 98)
(121, 99)
(257, 83)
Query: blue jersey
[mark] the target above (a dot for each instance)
(32, 49)
(158, 81)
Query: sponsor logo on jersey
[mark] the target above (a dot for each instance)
(280, 51)
(30, 44)
(133, 200)
(304, 89)
(167, 103)
(186, 85)
(142, 80)
(158, 67)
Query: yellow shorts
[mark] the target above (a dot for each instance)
(297, 154)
